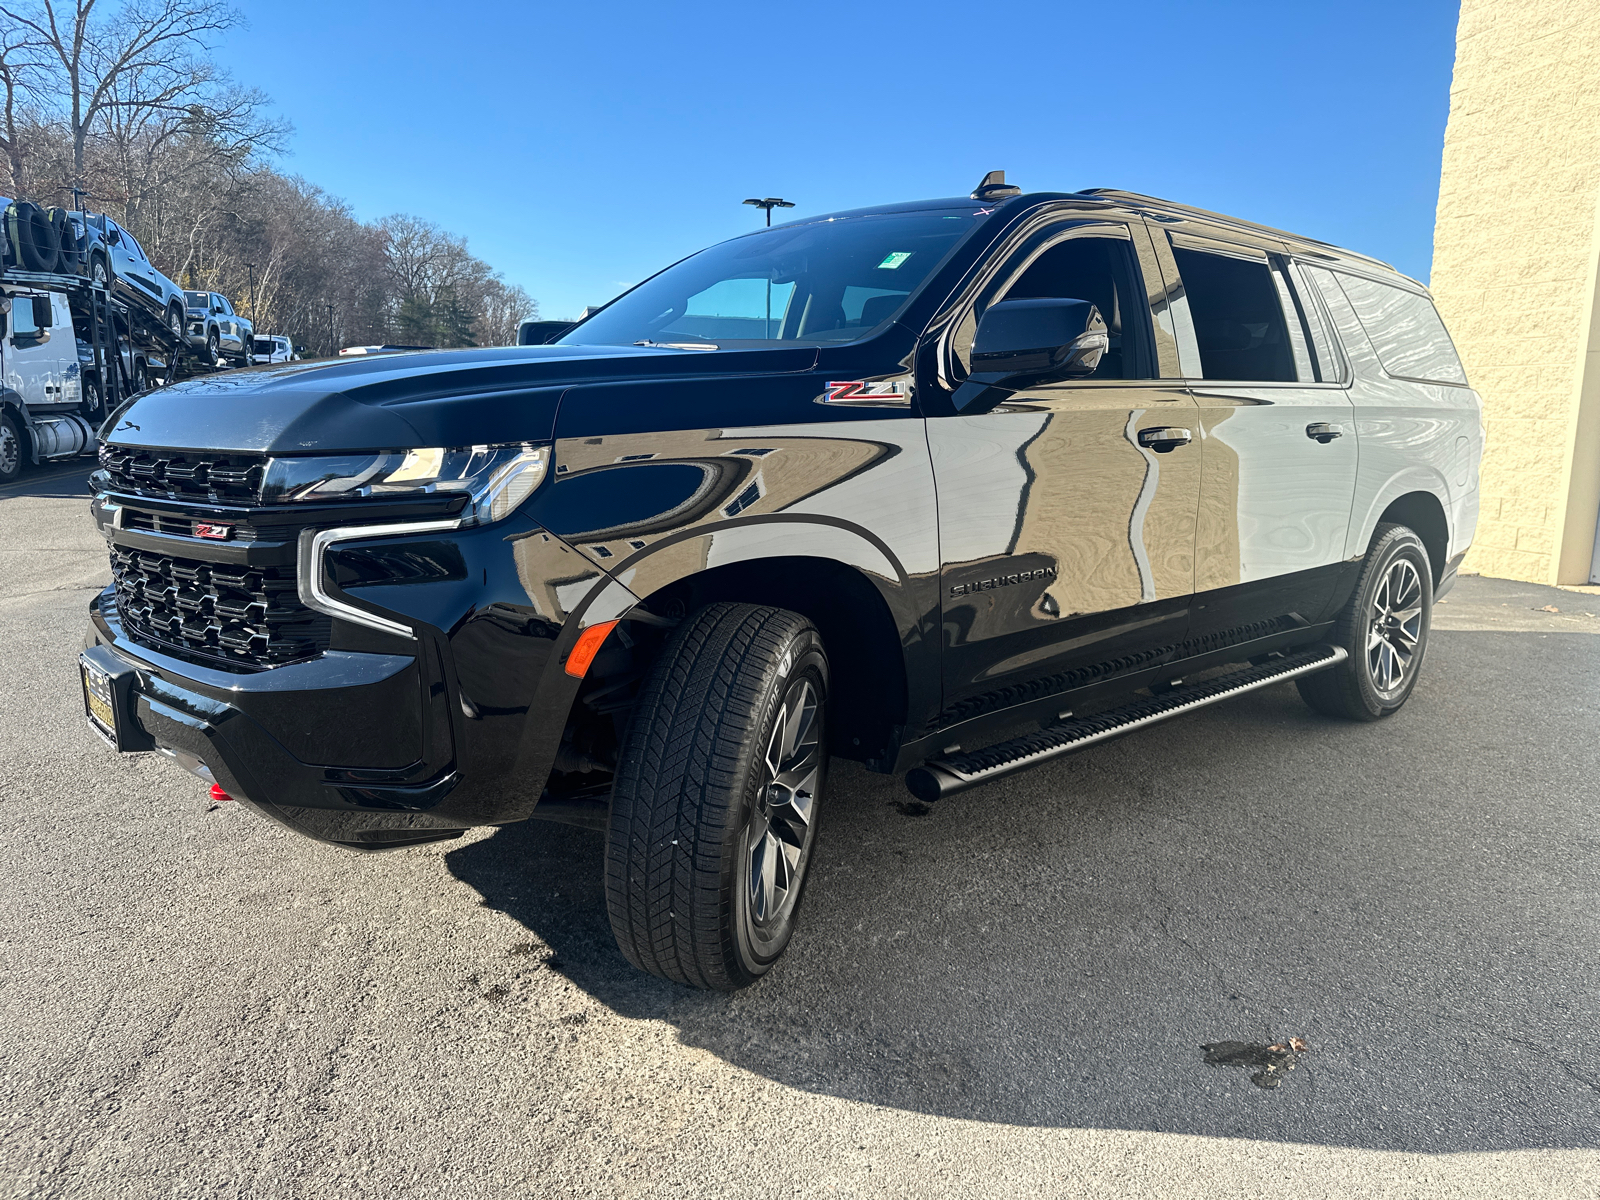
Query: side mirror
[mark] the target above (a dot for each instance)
(43, 316)
(1040, 339)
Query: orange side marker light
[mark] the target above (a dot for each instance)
(589, 642)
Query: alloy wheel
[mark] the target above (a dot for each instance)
(10, 451)
(778, 835)
(1394, 633)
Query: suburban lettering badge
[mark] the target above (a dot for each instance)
(984, 585)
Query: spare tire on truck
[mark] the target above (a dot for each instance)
(35, 245)
(71, 246)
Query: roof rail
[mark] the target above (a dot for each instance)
(1155, 202)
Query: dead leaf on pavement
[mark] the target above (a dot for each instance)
(1550, 608)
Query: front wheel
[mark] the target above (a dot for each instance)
(10, 449)
(175, 323)
(714, 811)
(213, 349)
(1385, 630)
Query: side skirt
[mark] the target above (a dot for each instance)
(946, 776)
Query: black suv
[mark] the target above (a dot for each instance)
(891, 484)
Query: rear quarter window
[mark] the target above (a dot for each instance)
(1405, 330)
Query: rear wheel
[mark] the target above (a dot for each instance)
(714, 812)
(1384, 628)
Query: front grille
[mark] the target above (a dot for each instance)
(182, 526)
(232, 478)
(239, 615)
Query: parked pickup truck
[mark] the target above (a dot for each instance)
(216, 330)
(884, 485)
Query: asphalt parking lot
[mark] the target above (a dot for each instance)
(1004, 996)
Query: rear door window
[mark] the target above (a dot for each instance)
(1405, 331)
(1238, 317)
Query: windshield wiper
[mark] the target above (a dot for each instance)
(679, 345)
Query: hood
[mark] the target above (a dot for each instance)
(400, 401)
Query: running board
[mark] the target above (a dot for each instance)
(941, 777)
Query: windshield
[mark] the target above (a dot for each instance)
(826, 281)
(198, 299)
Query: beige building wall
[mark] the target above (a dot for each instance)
(1516, 257)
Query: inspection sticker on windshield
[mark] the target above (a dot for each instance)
(894, 260)
(893, 393)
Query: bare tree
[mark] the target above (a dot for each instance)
(160, 42)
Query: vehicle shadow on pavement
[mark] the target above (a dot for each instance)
(1414, 898)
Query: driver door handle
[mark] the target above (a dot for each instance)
(1324, 431)
(1165, 438)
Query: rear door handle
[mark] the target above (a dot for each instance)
(1165, 439)
(1323, 431)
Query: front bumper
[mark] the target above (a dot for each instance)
(380, 740)
(231, 729)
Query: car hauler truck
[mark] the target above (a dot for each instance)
(70, 352)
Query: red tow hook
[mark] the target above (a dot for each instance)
(218, 796)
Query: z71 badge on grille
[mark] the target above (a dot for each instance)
(219, 533)
(893, 393)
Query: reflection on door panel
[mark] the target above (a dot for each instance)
(1059, 532)
(1275, 501)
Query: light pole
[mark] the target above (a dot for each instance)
(251, 267)
(332, 352)
(770, 203)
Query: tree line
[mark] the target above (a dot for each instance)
(124, 101)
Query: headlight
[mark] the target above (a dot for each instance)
(497, 478)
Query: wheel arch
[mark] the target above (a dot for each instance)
(864, 638)
(1422, 512)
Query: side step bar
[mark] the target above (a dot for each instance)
(941, 777)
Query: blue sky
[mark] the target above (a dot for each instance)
(579, 147)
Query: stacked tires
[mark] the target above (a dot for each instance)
(43, 240)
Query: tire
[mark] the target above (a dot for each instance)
(175, 324)
(214, 349)
(99, 270)
(35, 244)
(141, 377)
(93, 399)
(704, 831)
(69, 246)
(1384, 628)
(11, 449)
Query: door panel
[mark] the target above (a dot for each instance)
(1064, 541)
(1066, 544)
(1279, 449)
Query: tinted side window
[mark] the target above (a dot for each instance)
(1101, 271)
(1238, 320)
(1405, 331)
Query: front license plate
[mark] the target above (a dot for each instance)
(97, 704)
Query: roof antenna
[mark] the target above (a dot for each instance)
(995, 187)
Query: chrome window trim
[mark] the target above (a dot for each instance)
(314, 545)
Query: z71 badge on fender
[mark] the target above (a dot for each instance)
(893, 393)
